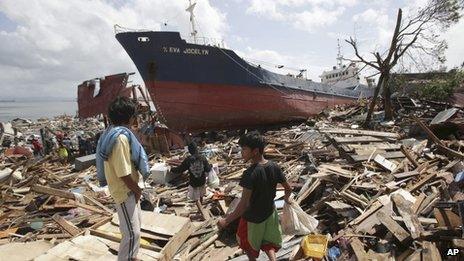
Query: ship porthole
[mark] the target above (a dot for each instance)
(143, 39)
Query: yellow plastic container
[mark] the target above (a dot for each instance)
(314, 246)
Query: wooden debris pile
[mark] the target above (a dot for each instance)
(379, 194)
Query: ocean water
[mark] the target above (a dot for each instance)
(34, 110)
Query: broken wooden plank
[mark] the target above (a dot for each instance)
(385, 163)
(170, 249)
(429, 132)
(362, 139)
(66, 225)
(371, 210)
(371, 146)
(447, 218)
(381, 134)
(358, 249)
(410, 219)
(203, 211)
(406, 174)
(415, 207)
(422, 182)
(202, 246)
(409, 156)
(430, 252)
(392, 226)
(162, 224)
(52, 191)
(387, 155)
(114, 238)
(6, 233)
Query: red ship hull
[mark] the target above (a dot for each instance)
(200, 107)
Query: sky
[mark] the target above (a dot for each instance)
(48, 47)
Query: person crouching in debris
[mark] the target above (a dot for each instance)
(62, 152)
(37, 147)
(119, 159)
(198, 167)
(259, 227)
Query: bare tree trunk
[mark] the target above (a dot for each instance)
(374, 100)
(387, 104)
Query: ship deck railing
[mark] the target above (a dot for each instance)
(121, 29)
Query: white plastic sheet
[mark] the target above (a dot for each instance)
(296, 222)
(213, 179)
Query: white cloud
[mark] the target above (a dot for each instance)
(316, 18)
(266, 8)
(270, 59)
(58, 44)
(455, 39)
(306, 15)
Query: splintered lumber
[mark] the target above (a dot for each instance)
(203, 246)
(392, 226)
(419, 184)
(97, 203)
(53, 191)
(418, 202)
(362, 139)
(386, 155)
(450, 152)
(441, 145)
(447, 218)
(202, 210)
(406, 174)
(410, 219)
(159, 223)
(371, 210)
(361, 132)
(429, 132)
(6, 233)
(430, 252)
(66, 225)
(409, 156)
(371, 146)
(386, 164)
(170, 249)
(316, 182)
(358, 249)
(109, 236)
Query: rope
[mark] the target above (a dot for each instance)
(257, 77)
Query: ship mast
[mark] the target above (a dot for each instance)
(192, 20)
(339, 54)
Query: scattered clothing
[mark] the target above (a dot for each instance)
(105, 147)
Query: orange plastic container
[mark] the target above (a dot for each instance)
(314, 246)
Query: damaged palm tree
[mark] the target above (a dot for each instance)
(416, 35)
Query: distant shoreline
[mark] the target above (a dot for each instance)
(39, 100)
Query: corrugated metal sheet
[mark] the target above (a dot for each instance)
(111, 87)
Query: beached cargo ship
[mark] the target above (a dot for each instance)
(200, 87)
